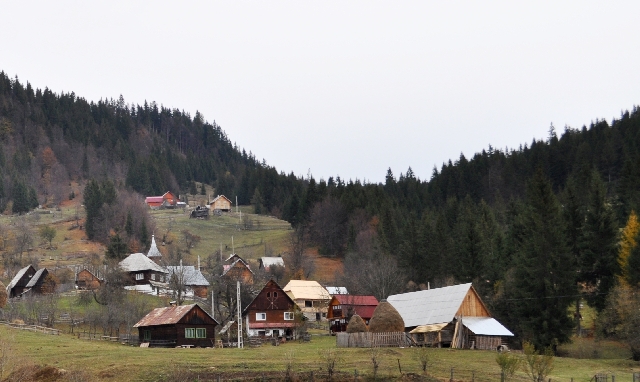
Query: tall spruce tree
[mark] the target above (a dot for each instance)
(543, 282)
(93, 200)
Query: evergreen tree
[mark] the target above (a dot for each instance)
(20, 198)
(93, 200)
(256, 200)
(203, 190)
(144, 235)
(543, 282)
(117, 248)
(193, 189)
(128, 225)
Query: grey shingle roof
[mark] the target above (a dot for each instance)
(137, 262)
(35, 278)
(432, 306)
(269, 261)
(17, 277)
(192, 276)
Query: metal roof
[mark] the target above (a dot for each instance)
(431, 306)
(167, 316)
(337, 290)
(191, 276)
(35, 278)
(227, 267)
(153, 251)
(353, 300)
(17, 277)
(485, 326)
(306, 290)
(269, 261)
(136, 262)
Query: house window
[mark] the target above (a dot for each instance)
(261, 316)
(139, 276)
(337, 307)
(189, 333)
(201, 333)
(288, 315)
(153, 276)
(308, 304)
(275, 294)
(147, 335)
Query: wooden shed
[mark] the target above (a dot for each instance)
(86, 280)
(453, 316)
(220, 203)
(186, 325)
(18, 284)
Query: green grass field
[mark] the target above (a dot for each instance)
(108, 361)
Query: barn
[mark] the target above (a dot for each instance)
(453, 316)
(86, 280)
(18, 284)
(185, 325)
(220, 203)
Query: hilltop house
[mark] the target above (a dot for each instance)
(271, 313)
(312, 299)
(168, 200)
(220, 203)
(186, 325)
(343, 306)
(453, 316)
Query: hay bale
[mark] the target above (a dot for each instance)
(386, 319)
(3, 295)
(356, 325)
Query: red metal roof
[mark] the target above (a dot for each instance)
(269, 325)
(354, 300)
(366, 312)
(154, 199)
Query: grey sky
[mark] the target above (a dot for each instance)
(345, 88)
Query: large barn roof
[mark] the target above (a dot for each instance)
(485, 326)
(36, 277)
(306, 290)
(431, 306)
(137, 262)
(18, 276)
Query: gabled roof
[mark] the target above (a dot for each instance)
(432, 306)
(168, 192)
(168, 316)
(220, 196)
(270, 284)
(485, 326)
(91, 273)
(227, 267)
(191, 275)
(348, 299)
(153, 251)
(18, 276)
(266, 262)
(137, 262)
(337, 290)
(306, 290)
(154, 199)
(34, 280)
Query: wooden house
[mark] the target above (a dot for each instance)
(271, 313)
(186, 325)
(41, 283)
(343, 306)
(18, 284)
(86, 280)
(196, 284)
(453, 316)
(220, 203)
(237, 270)
(312, 299)
(142, 270)
(168, 200)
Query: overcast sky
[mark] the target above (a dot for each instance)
(345, 88)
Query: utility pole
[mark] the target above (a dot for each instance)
(240, 344)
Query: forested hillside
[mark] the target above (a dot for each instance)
(533, 228)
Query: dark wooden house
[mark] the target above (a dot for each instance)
(271, 313)
(86, 280)
(237, 270)
(42, 283)
(18, 284)
(143, 270)
(185, 325)
(343, 306)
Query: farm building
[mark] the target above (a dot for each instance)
(168, 200)
(142, 270)
(154, 253)
(18, 284)
(196, 284)
(334, 290)
(312, 299)
(237, 270)
(271, 313)
(343, 306)
(186, 325)
(266, 262)
(220, 203)
(452, 316)
(86, 280)
(41, 283)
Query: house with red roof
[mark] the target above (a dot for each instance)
(343, 306)
(168, 200)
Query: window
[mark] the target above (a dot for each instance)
(288, 315)
(275, 294)
(153, 276)
(195, 333)
(261, 316)
(147, 335)
(308, 304)
(337, 307)
(139, 276)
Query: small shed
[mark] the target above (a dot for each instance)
(220, 203)
(185, 325)
(18, 284)
(86, 280)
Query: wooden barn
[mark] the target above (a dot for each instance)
(142, 270)
(271, 313)
(453, 316)
(237, 270)
(343, 306)
(18, 284)
(194, 281)
(186, 325)
(168, 200)
(311, 297)
(220, 203)
(42, 283)
(86, 280)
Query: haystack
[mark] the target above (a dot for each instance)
(386, 319)
(3, 295)
(356, 325)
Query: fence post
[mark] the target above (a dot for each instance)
(613, 378)
(451, 379)
(473, 376)
(355, 374)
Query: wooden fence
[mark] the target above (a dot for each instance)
(32, 328)
(368, 340)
